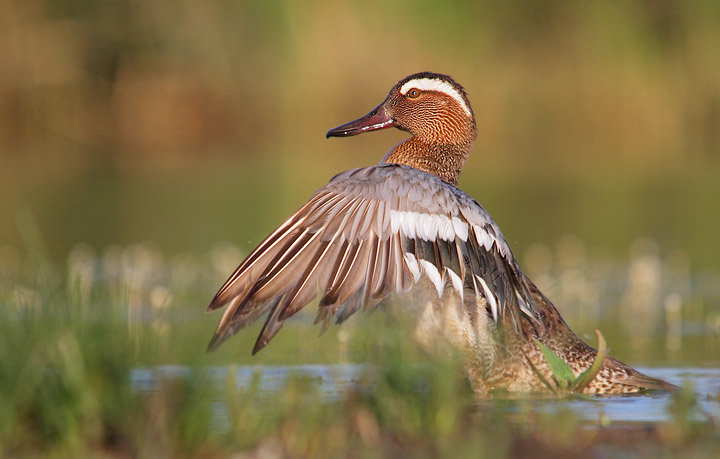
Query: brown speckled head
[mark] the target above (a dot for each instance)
(432, 107)
(436, 111)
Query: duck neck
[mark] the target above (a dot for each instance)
(444, 160)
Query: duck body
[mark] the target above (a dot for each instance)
(402, 233)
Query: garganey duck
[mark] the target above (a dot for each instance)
(403, 233)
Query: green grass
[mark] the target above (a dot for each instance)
(564, 381)
(70, 338)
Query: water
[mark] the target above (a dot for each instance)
(335, 382)
(651, 408)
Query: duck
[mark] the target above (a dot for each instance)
(402, 236)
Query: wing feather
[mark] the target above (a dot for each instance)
(386, 280)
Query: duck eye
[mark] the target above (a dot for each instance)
(413, 93)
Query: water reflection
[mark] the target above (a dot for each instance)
(335, 382)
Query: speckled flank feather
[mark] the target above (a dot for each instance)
(401, 232)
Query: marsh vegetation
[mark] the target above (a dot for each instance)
(106, 355)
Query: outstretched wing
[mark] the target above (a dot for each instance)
(367, 234)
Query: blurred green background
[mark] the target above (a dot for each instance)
(146, 147)
(186, 123)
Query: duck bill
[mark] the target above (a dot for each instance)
(376, 119)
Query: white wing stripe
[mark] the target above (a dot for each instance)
(433, 274)
(457, 283)
(427, 227)
(490, 298)
(412, 265)
(461, 228)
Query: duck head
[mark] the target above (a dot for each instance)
(436, 111)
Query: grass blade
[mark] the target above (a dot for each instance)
(589, 374)
(561, 371)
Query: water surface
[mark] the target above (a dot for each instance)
(336, 382)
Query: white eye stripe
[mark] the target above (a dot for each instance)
(427, 84)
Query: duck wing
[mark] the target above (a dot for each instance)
(370, 233)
